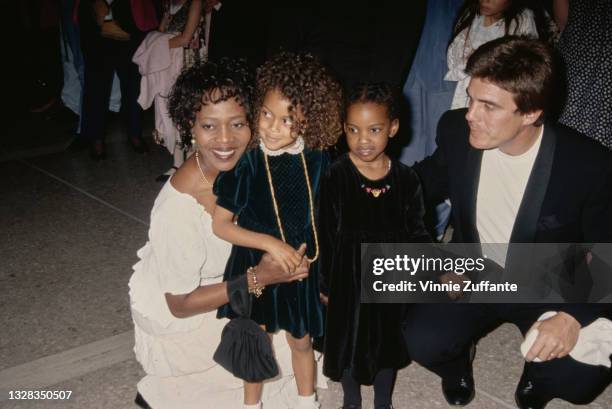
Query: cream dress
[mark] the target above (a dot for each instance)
(177, 353)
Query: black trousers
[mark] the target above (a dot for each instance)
(439, 337)
(104, 57)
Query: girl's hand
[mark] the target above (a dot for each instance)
(324, 298)
(270, 272)
(284, 254)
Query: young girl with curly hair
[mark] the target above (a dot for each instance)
(271, 194)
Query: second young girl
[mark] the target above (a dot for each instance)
(365, 198)
(271, 193)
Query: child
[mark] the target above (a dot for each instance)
(271, 192)
(365, 197)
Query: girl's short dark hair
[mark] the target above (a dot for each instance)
(309, 87)
(208, 83)
(375, 92)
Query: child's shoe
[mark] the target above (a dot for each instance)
(255, 406)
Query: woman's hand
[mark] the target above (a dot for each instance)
(284, 254)
(270, 271)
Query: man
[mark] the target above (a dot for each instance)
(514, 178)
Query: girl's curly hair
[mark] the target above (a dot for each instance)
(310, 88)
(208, 83)
(375, 92)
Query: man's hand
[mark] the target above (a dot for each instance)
(323, 298)
(452, 278)
(557, 336)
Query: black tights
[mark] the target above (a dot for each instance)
(383, 388)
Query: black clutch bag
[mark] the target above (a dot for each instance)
(245, 349)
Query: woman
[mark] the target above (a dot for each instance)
(177, 284)
(186, 21)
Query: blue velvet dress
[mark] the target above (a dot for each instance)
(294, 307)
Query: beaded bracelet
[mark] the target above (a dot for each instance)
(256, 289)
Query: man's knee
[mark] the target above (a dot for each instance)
(429, 347)
(584, 392)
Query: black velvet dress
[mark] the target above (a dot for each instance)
(363, 338)
(294, 307)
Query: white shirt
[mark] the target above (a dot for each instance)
(503, 179)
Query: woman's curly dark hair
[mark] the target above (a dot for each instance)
(375, 92)
(208, 83)
(309, 86)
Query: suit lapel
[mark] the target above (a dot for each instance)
(525, 225)
(472, 176)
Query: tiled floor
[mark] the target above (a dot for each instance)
(70, 229)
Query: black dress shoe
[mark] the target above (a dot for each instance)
(141, 402)
(139, 145)
(458, 392)
(526, 396)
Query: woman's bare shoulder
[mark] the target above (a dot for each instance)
(185, 180)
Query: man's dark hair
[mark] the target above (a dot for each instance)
(520, 65)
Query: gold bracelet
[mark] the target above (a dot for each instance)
(256, 289)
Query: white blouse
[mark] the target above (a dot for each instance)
(460, 50)
(181, 254)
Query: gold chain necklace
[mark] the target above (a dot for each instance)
(310, 203)
(201, 171)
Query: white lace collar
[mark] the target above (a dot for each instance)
(293, 149)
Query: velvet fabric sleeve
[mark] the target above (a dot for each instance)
(233, 188)
(415, 211)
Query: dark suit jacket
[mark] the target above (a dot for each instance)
(568, 198)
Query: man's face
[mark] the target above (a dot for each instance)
(493, 117)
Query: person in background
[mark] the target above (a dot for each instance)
(109, 37)
(186, 20)
(481, 21)
(586, 48)
(428, 95)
